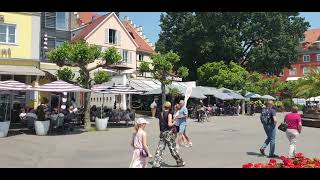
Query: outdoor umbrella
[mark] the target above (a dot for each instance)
(115, 89)
(252, 95)
(11, 85)
(214, 92)
(231, 93)
(60, 86)
(268, 97)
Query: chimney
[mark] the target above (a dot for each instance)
(140, 28)
(147, 40)
(126, 18)
(118, 14)
(134, 25)
(130, 21)
(144, 37)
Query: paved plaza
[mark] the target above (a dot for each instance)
(227, 141)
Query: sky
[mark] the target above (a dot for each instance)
(150, 22)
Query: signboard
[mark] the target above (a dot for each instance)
(174, 78)
(187, 94)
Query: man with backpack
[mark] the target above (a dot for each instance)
(268, 120)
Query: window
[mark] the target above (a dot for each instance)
(58, 42)
(318, 57)
(292, 72)
(112, 36)
(125, 55)
(94, 99)
(7, 33)
(91, 99)
(100, 99)
(306, 58)
(61, 21)
(305, 70)
(140, 57)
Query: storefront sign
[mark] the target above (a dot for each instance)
(174, 78)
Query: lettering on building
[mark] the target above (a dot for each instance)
(5, 53)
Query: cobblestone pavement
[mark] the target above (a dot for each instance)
(223, 142)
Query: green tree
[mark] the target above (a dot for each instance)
(164, 67)
(65, 74)
(80, 54)
(308, 86)
(101, 77)
(144, 67)
(219, 74)
(265, 42)
(174, 93)
(112, 56)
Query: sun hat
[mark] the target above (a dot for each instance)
(142, 121)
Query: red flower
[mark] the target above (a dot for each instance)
(249, 165)
(272, 161)
(298, 155)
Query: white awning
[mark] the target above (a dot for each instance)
(20, 70)
(292, 78)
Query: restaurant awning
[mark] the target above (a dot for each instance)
(20, 70)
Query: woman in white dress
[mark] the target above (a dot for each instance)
(141, 152)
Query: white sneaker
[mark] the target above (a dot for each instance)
(190, 144)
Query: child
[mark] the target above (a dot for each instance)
(139, 143)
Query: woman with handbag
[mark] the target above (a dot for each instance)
(141, 151)
(294, 127)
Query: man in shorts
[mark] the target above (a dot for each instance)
(183, 139)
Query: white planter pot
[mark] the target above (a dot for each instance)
(42, 127)
(4, 128)
(101, 124)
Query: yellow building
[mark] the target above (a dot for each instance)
(19, 52)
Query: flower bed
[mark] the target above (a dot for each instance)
(299, 161)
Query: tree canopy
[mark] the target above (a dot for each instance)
(164, 68)
(265, 42)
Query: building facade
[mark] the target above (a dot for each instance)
(308, 59)
(20, 53)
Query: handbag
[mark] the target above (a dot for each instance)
(283, 127)
(143, 153)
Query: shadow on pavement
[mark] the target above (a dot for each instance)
(254, 154)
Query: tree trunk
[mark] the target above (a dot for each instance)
(163, 95)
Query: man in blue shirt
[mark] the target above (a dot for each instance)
(183, 115)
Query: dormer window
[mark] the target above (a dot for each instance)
(131, 35)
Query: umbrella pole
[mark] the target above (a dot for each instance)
(102, 104)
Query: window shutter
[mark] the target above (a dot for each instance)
(121, 52)
(130, 58)
(119, 38)
(107, 36)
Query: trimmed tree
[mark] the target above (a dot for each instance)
(65, 74)
(164, 68)
(81, 54)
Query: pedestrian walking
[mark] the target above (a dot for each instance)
(183, 138)
(269, 121)
(167, 138)
(153, 107)
(139, 143)
(293, 120)
(177, 123)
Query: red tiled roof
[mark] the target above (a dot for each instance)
(311, 36)
(86, 30)
(86, 17)
(143, 45)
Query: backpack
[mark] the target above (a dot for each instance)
(266, 116)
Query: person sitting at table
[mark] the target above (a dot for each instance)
(54, 114)
(22, 115)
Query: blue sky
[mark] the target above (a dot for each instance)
(150, 22)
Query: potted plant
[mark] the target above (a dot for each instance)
(4, 119)
(101, 120)
(41, 124)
